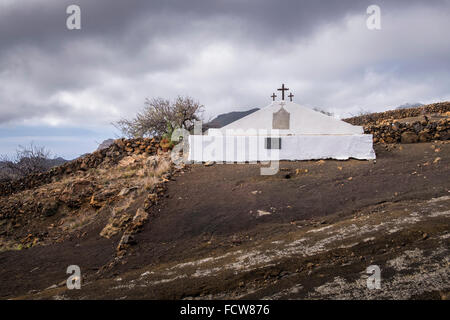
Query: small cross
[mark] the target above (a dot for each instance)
(291, 96)
(282, 89)
(273, 96)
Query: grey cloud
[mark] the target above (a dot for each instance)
(43, 22)
(229, 54)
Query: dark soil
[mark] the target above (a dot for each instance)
(211, 211)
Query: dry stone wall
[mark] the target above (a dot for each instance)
(112, 154)
(427, 123)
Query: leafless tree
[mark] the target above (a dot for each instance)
(27, 160)
(160, 117)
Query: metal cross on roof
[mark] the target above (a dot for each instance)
(273, 96)
(291, 96)
(282, 89)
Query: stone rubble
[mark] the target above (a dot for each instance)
(423, 124)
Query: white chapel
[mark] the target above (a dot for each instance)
(283, 130)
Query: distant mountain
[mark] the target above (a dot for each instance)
(105, 144)
(409, 105)
(47, 163)
(50, 163)
(226, 118)
(321, 110)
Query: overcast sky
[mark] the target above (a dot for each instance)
(62, 88)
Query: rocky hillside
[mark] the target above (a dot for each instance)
(113, 188)
(138, 227)
(377, 117)
(107, 156)
(422, 124)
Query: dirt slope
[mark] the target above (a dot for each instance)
(224, 231)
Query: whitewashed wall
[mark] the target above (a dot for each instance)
(301, 147)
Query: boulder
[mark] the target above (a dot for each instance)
(125, 242)
(50, 208)
(105, 144)
(424, 136)
(409, 137)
